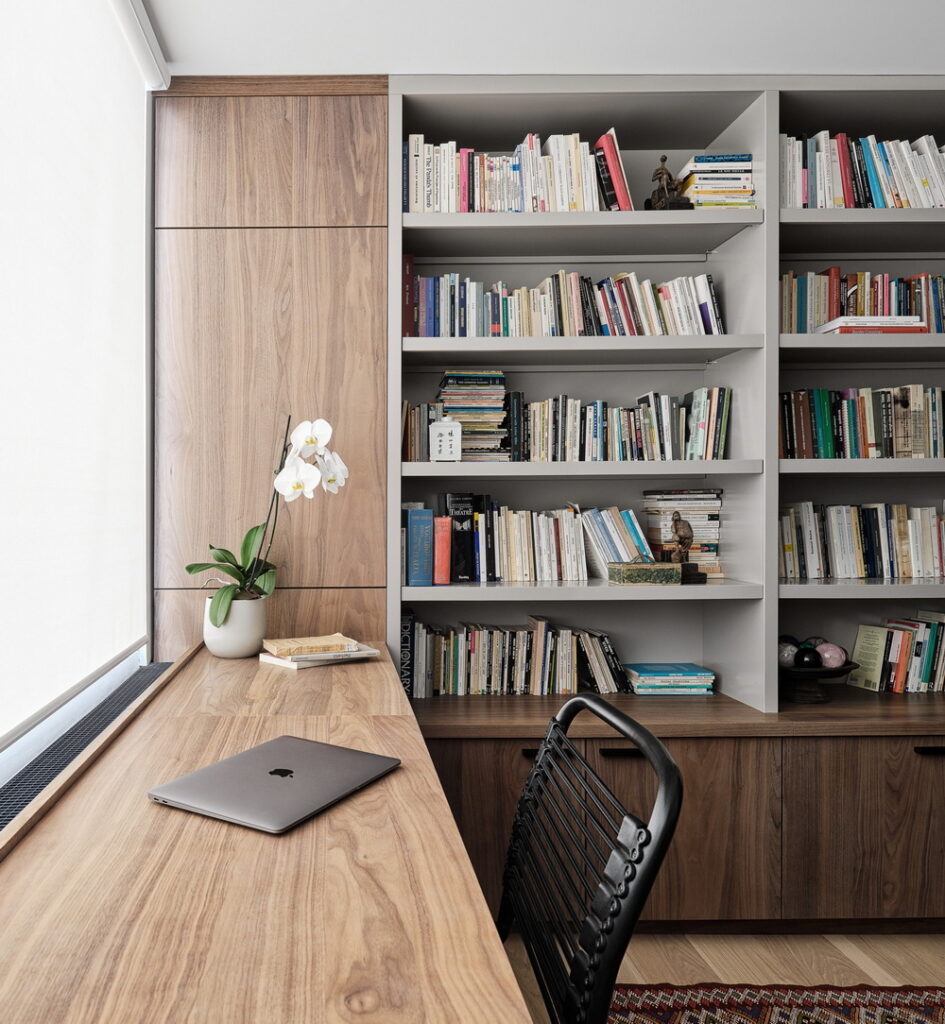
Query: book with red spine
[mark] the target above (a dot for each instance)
(608, 143)
(442, 539)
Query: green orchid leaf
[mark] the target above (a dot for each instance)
(230, 570)
(220, 604)
(222, 555)
(252, 542)
(266, 583)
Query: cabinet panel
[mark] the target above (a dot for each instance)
(270, 161)
(250, 327)
(483, 780)
(864, 832)
(725, 859)
(178, 616)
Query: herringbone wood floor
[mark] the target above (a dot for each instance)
(765, 960)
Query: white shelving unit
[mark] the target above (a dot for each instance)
(733, 624)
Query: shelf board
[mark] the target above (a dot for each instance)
(862, 348)
(593, 590)
(889, 231)
(861, 467)
(862, 589)
(581, 470)
(581, 351)
(651, 232)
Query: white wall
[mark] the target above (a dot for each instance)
(73, 402)
(253, 37)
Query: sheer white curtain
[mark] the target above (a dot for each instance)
(73, 331)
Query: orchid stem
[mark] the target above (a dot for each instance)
(273, 504)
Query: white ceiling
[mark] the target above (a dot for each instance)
(271, 37)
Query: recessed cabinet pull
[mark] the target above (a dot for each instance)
(930, 751)
(530, 752)
(620, 752)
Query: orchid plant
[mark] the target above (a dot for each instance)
(252, 575)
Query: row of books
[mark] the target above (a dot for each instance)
(658, 428)
(901, 422)
(672, 678)
(472, 539)
(566, 304)
(873, 541)
(562, 175)
(821, 302)
(535, 657)
(721, 179)
(824, 171)
(661, 427)
(905, 655)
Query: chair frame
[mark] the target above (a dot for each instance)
(576, 947)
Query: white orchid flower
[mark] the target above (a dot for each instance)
(334, 471)
(310, 437)
(296, 478)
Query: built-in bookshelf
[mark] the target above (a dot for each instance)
(730, 625)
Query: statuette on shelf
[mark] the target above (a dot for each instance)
(666, 195)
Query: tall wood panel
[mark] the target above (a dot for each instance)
(252, 326)
(270, 161)
(269, 252)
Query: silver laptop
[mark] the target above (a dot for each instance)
(275, 785)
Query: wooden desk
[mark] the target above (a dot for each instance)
(115, 909)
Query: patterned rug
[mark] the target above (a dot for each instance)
(754, 1004)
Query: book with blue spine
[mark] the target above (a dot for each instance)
(420, 547)
(668, 669)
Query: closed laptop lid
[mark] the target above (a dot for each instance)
(275, 785)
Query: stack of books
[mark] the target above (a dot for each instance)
(476, 399)
(535, 657)
(669, 678)
(904, 655)
(876, 541)
(904, 422)
(312, 651)
(563, 175)
(718, 179)
(473, 539)
(702, 509)
(822, 171)
(833, 302)
(566, 304)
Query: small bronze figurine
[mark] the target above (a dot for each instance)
(682, 535)
(666, 194)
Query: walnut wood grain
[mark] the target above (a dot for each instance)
(276, 85)
(852, 712)
(864, 834)
(251, 326)
(725, 858)
(270, 161)
(483, 781)
(116, 909)
(178, 616)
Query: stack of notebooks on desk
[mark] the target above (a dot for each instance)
(311, 651)
(669, 678)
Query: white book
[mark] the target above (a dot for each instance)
(300, 661)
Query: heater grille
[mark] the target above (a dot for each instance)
(34, 777)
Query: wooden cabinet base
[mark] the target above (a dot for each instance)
(178, 615)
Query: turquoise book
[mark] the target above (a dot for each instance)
(668, 668)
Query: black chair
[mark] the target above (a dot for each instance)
(580, 866)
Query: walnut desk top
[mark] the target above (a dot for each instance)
(116, 910)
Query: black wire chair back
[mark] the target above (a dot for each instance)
(580, 866)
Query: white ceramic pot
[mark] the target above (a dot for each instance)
(241, 635)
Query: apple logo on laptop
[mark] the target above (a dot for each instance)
(283, 773)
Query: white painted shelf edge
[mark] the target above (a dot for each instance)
(593, 590)
(860, 467)
(582, 470)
